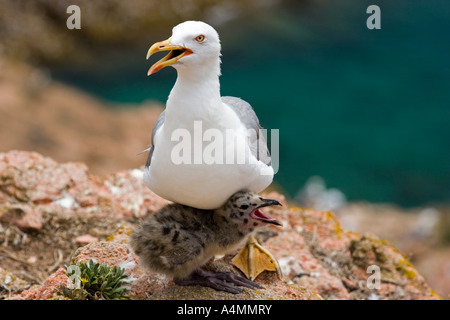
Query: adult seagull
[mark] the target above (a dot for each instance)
(206, 147)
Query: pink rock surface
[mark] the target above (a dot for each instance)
(85, 239)
(318, 257)
(22, 215)
(48, 290)
(34, 184)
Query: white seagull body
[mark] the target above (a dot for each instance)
(194, 50)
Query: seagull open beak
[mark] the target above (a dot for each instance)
(175, 54)
(259, 215)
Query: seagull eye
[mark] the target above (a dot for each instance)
(200, 38)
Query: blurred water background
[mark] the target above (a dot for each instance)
(366, 110)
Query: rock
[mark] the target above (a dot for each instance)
(148, 285)
(320, 259)
(85, 239)
(48, 290)
(32, 185)
(32, 260)
(420, 233)
(22, 215)
(10, 284)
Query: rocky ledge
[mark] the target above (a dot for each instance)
(52, 213)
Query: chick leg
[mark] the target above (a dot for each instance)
(254, 259)
(228, 282)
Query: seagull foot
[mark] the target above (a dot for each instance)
(254, 259)
(228, 282)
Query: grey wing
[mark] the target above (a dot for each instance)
(247, 115)
(159, 122)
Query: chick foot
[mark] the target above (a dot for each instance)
(228, 282)
(254, 259)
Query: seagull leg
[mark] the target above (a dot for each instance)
(228, 282)
(254, 259)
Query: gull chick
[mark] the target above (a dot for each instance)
(178, 240)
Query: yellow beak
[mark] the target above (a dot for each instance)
(175, 54)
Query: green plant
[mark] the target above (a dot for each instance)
(95, 281)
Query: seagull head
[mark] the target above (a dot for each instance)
(193, 45)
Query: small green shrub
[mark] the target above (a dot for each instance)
(95, 281)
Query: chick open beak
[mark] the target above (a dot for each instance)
(259, 215)
(175, 54)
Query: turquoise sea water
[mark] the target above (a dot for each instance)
(367, 110)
